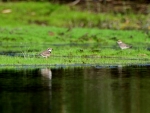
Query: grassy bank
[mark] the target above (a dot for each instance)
(22, 45)
(78, 38)
(54, 61)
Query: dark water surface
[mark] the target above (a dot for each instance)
(75, 90)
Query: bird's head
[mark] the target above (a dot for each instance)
(49, 49)
(119, 41)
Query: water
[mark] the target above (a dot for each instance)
(75, 90)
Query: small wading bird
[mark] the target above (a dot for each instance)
(123, 45)
(46, 53)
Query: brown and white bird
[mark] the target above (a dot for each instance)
(123, 45)
(46, 53)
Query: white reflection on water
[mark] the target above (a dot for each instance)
(46, 73)
(46, 77)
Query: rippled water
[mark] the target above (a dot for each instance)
(75, 90)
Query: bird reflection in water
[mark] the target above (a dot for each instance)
(46, 77)
(46, 73)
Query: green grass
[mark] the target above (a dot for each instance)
(81, 37)
(53, 60)
(81, 55)
(73, 46)
(48, 14)
(37, 34)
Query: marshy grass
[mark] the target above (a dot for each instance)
(85, 46)
(64, 56)
(72, 60)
